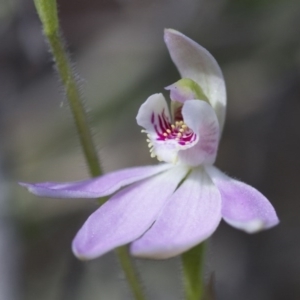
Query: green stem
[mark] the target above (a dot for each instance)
(130, 273)
(47, 11)
(193, 263)
(78, 111)
(48, 14)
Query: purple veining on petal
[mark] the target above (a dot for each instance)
(165, 119)
(152, 118)
(160, 122)
(178, 132)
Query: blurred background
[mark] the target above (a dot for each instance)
(121, 59)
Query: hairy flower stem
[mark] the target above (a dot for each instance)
(193, 263)
(47, 11)
(126, 264)
(48, 15)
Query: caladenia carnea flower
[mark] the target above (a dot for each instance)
(165, 209)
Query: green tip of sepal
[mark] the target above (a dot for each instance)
(186, 89)
(182, 90)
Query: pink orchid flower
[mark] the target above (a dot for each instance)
(166, 209)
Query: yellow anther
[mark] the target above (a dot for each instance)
(165, 134)
(173, 126)
(181, 130)
(149, 145)
(168, 131)
(179, 134)
(152, 155)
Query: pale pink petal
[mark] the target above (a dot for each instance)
(190, 216)
(196, 63)
(127, 215)
(243, 206)
(151, 112)
(95, 187)
(200, 117)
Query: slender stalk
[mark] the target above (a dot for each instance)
(76, 105)
(48, 15)
(130, 273)
(47, 11)
(193, 263)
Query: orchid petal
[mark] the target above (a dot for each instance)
(127, 215)
(95, 187)
(154, 116)
(200, 117)
(196, 63)
(190, 216)
(149, 112)
(243, 206)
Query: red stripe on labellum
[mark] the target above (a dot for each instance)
(152, 118)
(178, 132)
